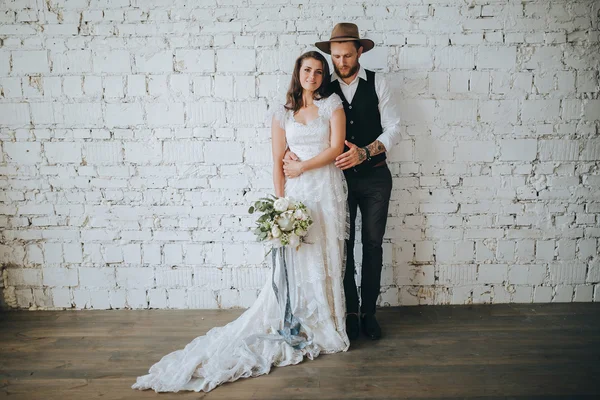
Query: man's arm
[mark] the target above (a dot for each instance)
(390, 119)
(376, 148)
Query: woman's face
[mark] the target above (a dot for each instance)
(311, 74)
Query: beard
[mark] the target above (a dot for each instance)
(352, 71)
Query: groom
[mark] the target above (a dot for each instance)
(372, 127)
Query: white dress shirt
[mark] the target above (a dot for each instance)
(390, 120)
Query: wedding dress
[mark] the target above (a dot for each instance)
(300, 311)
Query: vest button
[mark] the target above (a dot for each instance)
(351, 122)
(350, 107)
(351, 137)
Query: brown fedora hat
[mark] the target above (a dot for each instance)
(344, 32)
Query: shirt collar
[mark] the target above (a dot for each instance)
(361, 74)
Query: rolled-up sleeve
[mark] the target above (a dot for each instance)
(388, 109)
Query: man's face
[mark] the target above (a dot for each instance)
(344, 56)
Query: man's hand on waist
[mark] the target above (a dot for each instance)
(353, 157)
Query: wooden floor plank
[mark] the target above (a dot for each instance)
(516, 351)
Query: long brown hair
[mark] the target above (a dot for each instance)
(294, 95)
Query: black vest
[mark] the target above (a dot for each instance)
(363, 121)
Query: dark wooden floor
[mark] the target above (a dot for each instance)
(502, 351)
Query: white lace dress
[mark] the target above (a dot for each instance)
(251, 344)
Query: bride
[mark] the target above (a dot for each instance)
(300, 312)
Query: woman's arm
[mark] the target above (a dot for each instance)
(278, 146)
(327, 156)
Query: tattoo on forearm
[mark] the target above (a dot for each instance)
(376, 148)
(362, 155)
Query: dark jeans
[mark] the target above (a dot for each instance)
(371, 192)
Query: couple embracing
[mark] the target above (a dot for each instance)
(329, 145)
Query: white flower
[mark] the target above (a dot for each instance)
(294, 240)
(281, 204)
(300, 232)
(292, 205)
(299, 214)
(275, 231)
(285, 223)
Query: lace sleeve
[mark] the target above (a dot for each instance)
(277, 112)
(330, 104)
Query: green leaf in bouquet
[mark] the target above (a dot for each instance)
(265, 225)
(251, 210)
(262, 206)
(263, 218)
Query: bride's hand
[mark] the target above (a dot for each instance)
(292, 169)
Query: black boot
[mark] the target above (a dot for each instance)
(352, 326)
(371, 327)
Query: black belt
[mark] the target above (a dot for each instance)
(364, 170)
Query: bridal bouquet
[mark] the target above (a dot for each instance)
(284, 222)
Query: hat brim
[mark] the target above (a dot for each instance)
(325, 47)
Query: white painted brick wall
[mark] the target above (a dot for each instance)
(133, 138)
